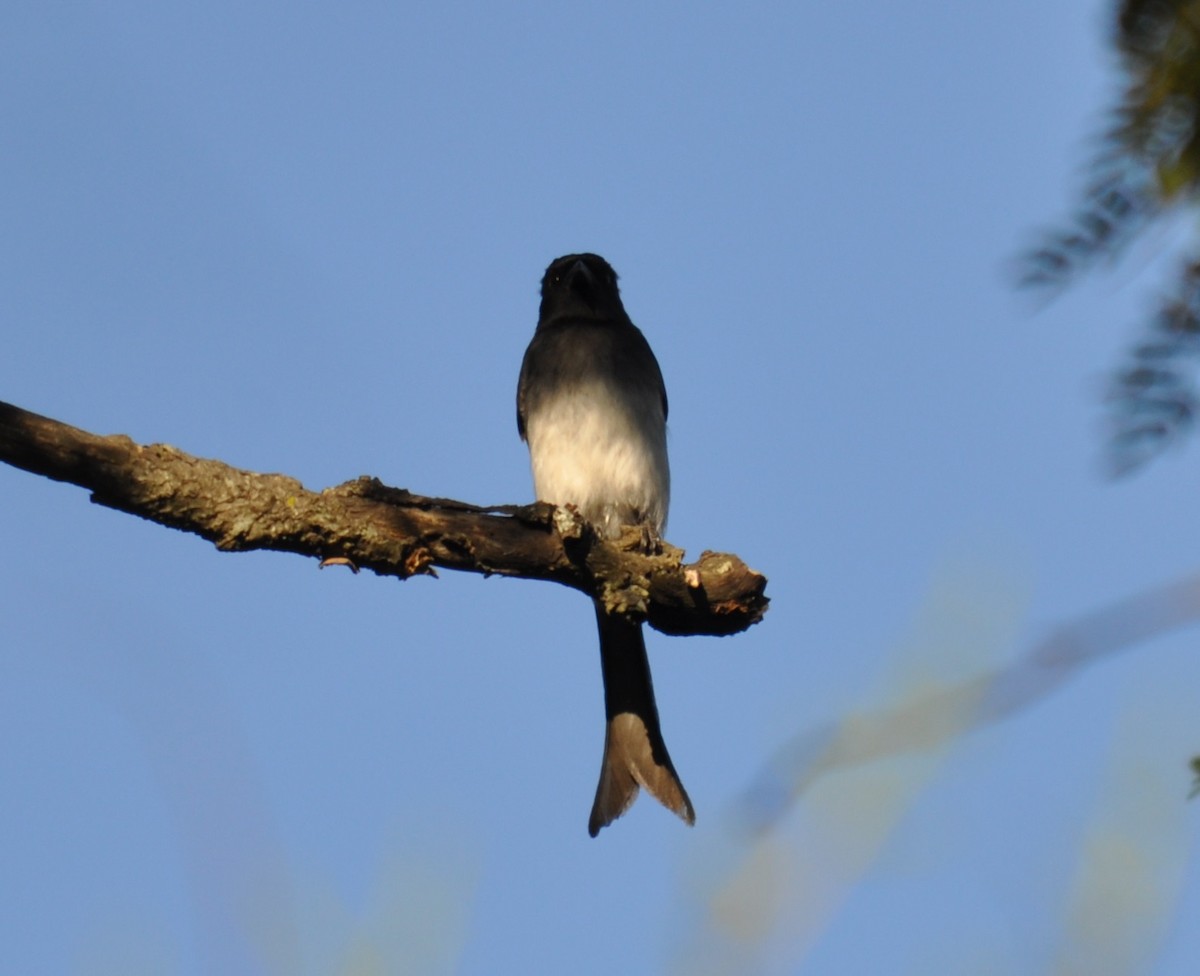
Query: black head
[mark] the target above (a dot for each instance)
(580, 286)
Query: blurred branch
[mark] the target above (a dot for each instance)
(390, 531)
(931, 720)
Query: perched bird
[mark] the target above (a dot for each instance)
(593, 409)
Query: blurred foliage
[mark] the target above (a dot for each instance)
(1147, 168)
(832, 808)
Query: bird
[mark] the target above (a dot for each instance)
(592, 408)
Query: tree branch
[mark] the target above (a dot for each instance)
(387, 530)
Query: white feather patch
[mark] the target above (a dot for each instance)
(603, 449)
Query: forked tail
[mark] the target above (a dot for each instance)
(634, 751)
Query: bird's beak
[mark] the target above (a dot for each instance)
(581, 281)
(580, 273)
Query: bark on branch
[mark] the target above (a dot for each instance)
(387, 530)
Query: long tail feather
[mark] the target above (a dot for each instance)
(635, 754)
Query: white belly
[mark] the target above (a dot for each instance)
(604, 453)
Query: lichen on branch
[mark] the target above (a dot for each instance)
(391, 531)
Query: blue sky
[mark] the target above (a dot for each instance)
(307, 238)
